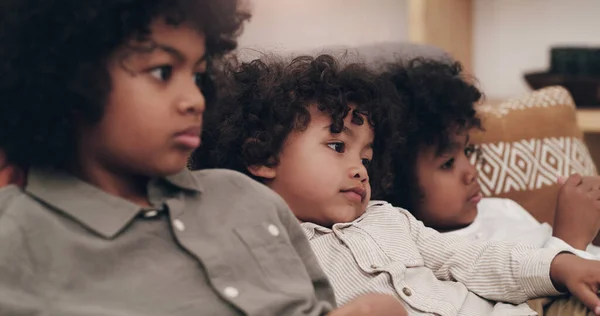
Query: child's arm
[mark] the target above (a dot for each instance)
(577, 217)
(507, 272)
(497, 271)
(18, 293)
(536, 232)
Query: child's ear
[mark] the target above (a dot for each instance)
(262, 171)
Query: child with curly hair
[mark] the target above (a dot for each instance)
(103, 102)
(439, 104)
(312, 130)
(435, 180)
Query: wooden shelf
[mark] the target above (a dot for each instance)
(589, 120)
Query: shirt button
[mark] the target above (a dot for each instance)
(231, 292)
(407, 291)
(273, 230)
(151, 213)
(178, 225)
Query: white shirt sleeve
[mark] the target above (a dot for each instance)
(595, 250)
(505, 219)
(557, 243)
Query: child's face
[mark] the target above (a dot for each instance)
(323, 176)
(449, 184)
(153, 116)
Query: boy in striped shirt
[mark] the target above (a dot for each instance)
(311, 130)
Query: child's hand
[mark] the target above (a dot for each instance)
(372, 304)
(577, 217)
(10, 174)
(579, 276)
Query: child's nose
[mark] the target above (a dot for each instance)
(359, 172)
(192, 101)
(471, 174)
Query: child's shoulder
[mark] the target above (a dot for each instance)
(227, 187)
(501, 209)
(221, 180)
(11, 199)
(221, 176)
(16, 207)
(383, 209)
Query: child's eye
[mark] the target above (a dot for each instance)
(339, 147)
(366, 162)
(469, 150)
(448, 164)
(202, 80)
(162, 73)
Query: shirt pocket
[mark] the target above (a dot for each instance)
(383, 246)
(276, 257)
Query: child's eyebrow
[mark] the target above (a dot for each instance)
(348, 132)
(448, 149)
(177, 54)
(345, 130)
(452, 147)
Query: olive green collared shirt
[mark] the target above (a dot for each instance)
(223, 244)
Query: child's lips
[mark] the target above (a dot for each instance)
(189, 137)
(356, 194)
(190, 141)
(353, 196)
(475, 199)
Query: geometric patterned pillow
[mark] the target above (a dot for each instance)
(528, 142)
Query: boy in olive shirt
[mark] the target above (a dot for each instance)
(103, 102)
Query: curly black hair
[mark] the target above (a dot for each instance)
(53, 61)
(268, 98)
(438, 99)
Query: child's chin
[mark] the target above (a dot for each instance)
(470, 215)
(349, 215)
(169, 170)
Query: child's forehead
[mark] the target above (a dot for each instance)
(444, 145)
(322, 122)
(169, 38)
(323, 117)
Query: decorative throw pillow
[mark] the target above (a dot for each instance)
(528, 142)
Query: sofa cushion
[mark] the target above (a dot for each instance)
(527, 144)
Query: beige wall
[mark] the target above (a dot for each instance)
(512, 37)
(292, 25)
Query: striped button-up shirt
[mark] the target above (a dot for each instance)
(387, 250)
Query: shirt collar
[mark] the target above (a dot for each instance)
(103, 213)
(311, 229)
(186, 180)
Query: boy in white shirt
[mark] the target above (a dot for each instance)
(435, 179)
(311, 130)
(438, 103)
